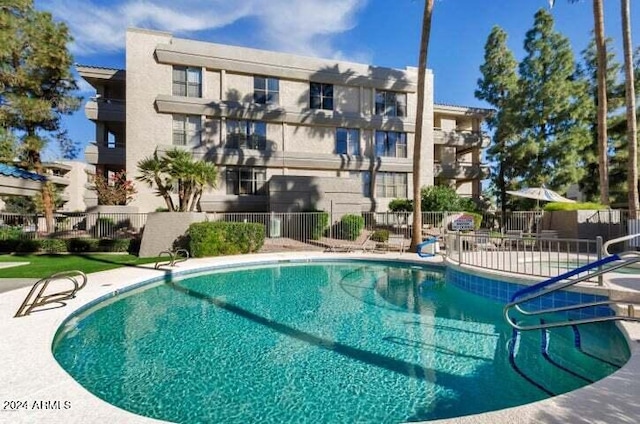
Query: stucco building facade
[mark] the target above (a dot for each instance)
(287, 132)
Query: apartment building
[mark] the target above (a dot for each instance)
(70, 179)
(287, 132)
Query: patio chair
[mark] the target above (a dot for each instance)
(483, 241)
(396, 242)
(512, 238)
(361, 243)
(546, 237)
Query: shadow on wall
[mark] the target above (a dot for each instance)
(346, 92)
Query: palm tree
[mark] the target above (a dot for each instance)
(177, 168)
(601, 54)
(151, 172)
(632, 137)
(416, 236)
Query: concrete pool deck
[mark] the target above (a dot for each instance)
(36, 389)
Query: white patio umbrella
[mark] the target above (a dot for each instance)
(540, 193)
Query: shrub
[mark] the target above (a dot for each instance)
(401, 205)
(224, 238)
(9, 245)
(477, 219)
(351, 226)
(319, 225)
(80, 245)
(557, 206)
(10, 233)
(443, 198)
(113, 245)
(53, 245)
(28, 246)
(381, 236)
(115, 190)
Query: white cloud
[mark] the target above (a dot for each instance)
(295, 26)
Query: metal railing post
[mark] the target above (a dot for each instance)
(599, 254)
(459, 244)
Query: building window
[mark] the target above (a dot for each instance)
(347, 141)
(246, 181)
(266, 90)
(390, 103)
(365, 179)
(391, 184)
(246, 135)
(186, 130)
(321, 96)
(187, 82)
(391, 144)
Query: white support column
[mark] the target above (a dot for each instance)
(223, 84)
(223, 132)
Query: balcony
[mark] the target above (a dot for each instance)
(465, 139)
(461, 171)
(104, 109)
(96, 154)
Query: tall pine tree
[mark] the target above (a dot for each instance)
(36, 83)
(552, 110)
(498, 86)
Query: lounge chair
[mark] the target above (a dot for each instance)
(512, 238)
(335, 245)
(483, 241)
(396, 242)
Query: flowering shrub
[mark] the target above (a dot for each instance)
(115, 190)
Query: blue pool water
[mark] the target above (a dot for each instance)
(335, 342)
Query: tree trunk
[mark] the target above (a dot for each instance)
(503, 198)
(601, 52)
(48, 206)
(416, 236)
(47, 187)
(632, 132)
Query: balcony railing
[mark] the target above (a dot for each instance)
(105, 109)
(461, 170)
(100, 154)
(461, 138)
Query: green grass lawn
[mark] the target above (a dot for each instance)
(44, 265)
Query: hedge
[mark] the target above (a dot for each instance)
(74, 245)
(558, 206)
(224, 238)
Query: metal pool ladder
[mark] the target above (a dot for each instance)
(38, 297)
(175, 257)
(593, 269)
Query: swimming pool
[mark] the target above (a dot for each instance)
(319, 342)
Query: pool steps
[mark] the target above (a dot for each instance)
(565, 280)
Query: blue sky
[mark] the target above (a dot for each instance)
(379, 32)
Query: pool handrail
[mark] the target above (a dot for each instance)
(32, 302)
(420, 246)
(175, 257)
(563, 276)
(605, 247)
(562, 281)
